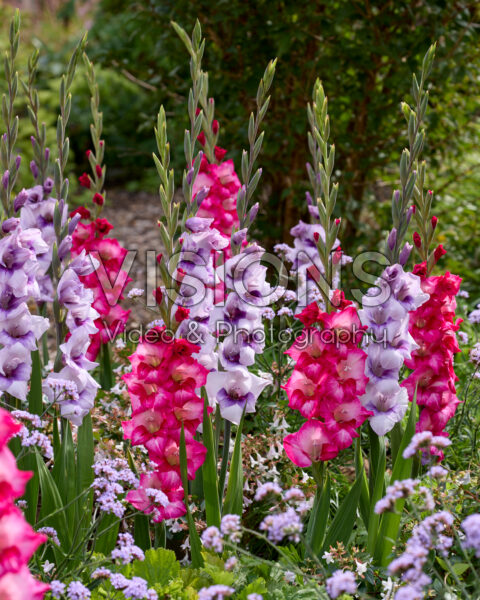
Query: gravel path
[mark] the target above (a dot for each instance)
(134, 217)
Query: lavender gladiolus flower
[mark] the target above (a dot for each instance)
(235, 391)
(385, 313)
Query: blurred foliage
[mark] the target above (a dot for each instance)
(364, 52)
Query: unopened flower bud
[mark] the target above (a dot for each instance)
(98, 170)
(48, 185)
(316, 236)
(337, 222)
(409, 214)
(47, 154)
(201, 195)
(190, 174)
(34, 169)
(308, 196)
(158, 295)
(434, 222)
(439, 252)
(405, 254)
(392, 239)
(159, 257)
(417, 240)
(65, 247)
(239, 237)
(72, 225)
(18, 162)
(253, 213)
(6, 179)
(10, 224)
(98, 199)
(20, 200)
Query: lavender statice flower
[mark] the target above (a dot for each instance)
(135, 588)
(136, 293)
(51, 533)
(428, 535)
(341, 582)
(462, 336)
(394, 492)
(77, 591)
(36, 438)
(471, 527)
(57, 588)
(215, 592)
(101, 573)
(231, 528)
(110, 479)
(269, 487)
(475, 354)
(212, 539)
(231, 563)
(254, 597)
(424, 440)
(474, 316)
(126, 550)
(437, 472)
(283, 525)
(385, 313)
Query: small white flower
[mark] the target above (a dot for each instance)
(361, 567)
(328, 558)
(48, 566)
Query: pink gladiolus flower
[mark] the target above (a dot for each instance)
(108, 281)
(433, 327)
(326, 383)
(162, 386)
(18, 541)
(312, 443)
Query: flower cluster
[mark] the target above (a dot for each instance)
(428, 535)
(107, 282)
(33, 436)
(433, 328)
(341, 582)
(37, 209)
(386, 315)
(194, 305)
(20, 251)
(222, 183)
(471, 527)
(73, 388)
(162, 387)
(234, 388)
(18, 540)
(307, 267)
(111, 477)
(326, 384)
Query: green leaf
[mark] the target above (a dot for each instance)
(234, 496)
(159, 567)
(364, 502)
(84, 471)
(29, 463)
(317, 523)
(35, 396)
(195, 545)
(142, 532)
(377, 493)
(209, 470)
(458, 568)
(52, 511)
(390, 522)
(106, 373)
(343, 523)
(107, 534)
(64, 472)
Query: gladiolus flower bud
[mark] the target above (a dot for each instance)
(74, 222)
(417, 240)
(34, 169)
(159, 257)
(65, 247)
(434, 222)
(414, 208)
(405, 254)
(392, 239)
(439, 252)
(253, 213)
(82, 211)
(88, 152)
(6, 179)
(98, 199)
(158, 295)
(316, 236)
(337, 256)
(48, 185)
(215, 126)
(10, 224)
(84, 180)
(337, 222)
(181, 314)
(98, 170)
(18, 162)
